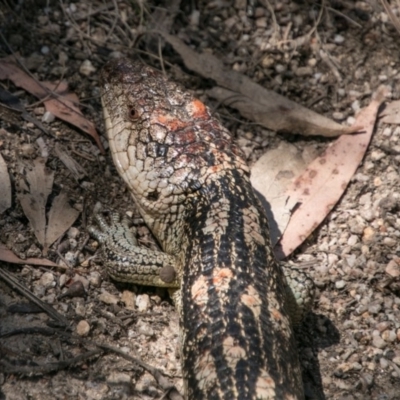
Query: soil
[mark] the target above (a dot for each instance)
(329, 56)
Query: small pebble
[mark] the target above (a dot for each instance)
(76, 289)
(340, 284)
(374, 307)
(353, 239)
(339, 116)
(27, 149)
(128, 298)
(95, 279)
(396, 360)
(368, 235)
(388, 241)
(80, 309)
(118, 377)
(87, 68)
(47, 280)
(382, 326)
(303, 71)
(338, 39)
(383, 362)
(393, 269)
(83, 328)
(73, 232)
(83, 280)
(389, 336)
(143, 302)
(108, 298)
(378, 342)
(48, 117)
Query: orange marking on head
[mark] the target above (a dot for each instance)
(171, 123)
(199, 110)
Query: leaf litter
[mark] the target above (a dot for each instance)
(321, 185)
(33, 196)
(63, 104)
(5, 185)
(271, 175)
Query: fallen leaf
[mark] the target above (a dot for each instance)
(7, 255)
(391, 113)
(324, 181)
(254, 102)
(271, 176)
(5, 185)
(63, 106)
(33, 195)
(39, 181)
(14, 105)
(61, 217)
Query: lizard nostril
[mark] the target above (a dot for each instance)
(133, 113)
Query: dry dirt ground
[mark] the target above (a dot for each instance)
(329, 56)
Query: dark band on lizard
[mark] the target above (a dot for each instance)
(191, 185)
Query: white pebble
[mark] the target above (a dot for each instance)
(338, 39)
(87, 68)
(340, 284)
(142, 302)
(48, 117)
(47, 280)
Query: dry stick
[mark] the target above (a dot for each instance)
(351, 21)
(164, 383)
(393, 18)
(50, 93)
(326, 59)
(13, 282)
(48, 367)
(307, 35)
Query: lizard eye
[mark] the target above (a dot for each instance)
(133, 113)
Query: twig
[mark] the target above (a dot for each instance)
(344, 16)
(48, 367)
(393, 18)
(324, 56)
(13, 282)
(164, 383)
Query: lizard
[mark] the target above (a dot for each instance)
(191, 184)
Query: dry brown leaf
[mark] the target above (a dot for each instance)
(61, 217)
(34, 192)
(319, 188)
(63, 107)
(272, 174)
(254, 102)
(7, 255)
(391, 113)
(5, 185)
(39, 180)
